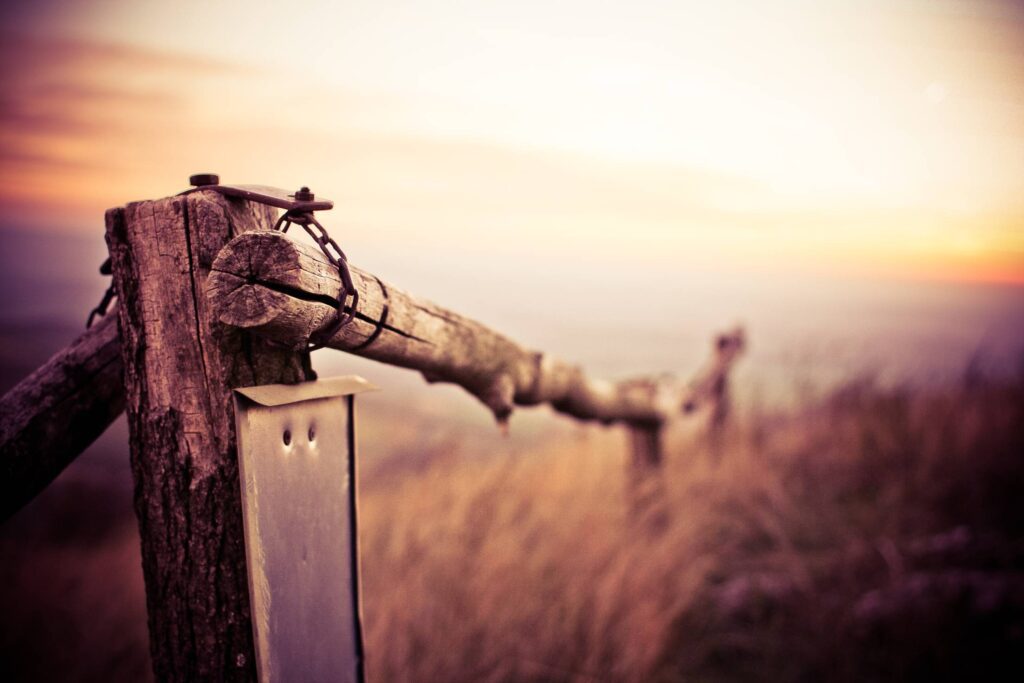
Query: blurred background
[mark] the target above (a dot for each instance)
(612, 183)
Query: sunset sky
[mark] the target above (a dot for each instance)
(868, 138)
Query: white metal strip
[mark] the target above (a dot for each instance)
(298, 506)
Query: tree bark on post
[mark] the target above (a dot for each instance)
(180, 367)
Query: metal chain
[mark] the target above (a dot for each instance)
(346, 312)
(348, 296)
(108, 296)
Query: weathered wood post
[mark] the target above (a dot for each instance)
(179, 368)
(711, 387)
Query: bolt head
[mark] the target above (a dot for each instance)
(200, 179)
(304, 195)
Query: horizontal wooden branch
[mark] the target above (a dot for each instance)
(285, 290)
(265, 282)
(56, 412)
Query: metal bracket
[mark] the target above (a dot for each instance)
(302, 201)
(296, 458)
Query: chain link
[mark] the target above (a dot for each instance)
(346, 311)
(348, 295)
(108, 296)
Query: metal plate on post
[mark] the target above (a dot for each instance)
(296, 452)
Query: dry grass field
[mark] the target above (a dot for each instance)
(871, 534)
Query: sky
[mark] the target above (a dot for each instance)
(874, 139)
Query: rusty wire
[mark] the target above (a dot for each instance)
(108, 296)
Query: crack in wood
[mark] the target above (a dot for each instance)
(192, 275)
(311, 297)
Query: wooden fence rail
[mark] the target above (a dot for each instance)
(275, 287)
(56, 412)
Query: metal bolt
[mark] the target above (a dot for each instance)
(200, 179)
(304, 195)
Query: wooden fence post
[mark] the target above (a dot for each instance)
(645, 480)
(179, 369)
(711, 387)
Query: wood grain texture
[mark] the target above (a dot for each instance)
(179, 370)
(56, 412)
(268, 284)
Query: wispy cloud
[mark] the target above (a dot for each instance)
(85, 125)
(75, 114)
(32, 53)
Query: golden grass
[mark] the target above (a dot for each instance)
(874, 534)
(758, 566)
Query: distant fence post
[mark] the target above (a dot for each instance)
(645, 486)
(713, 387)
(645, 447)
(179, 368)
